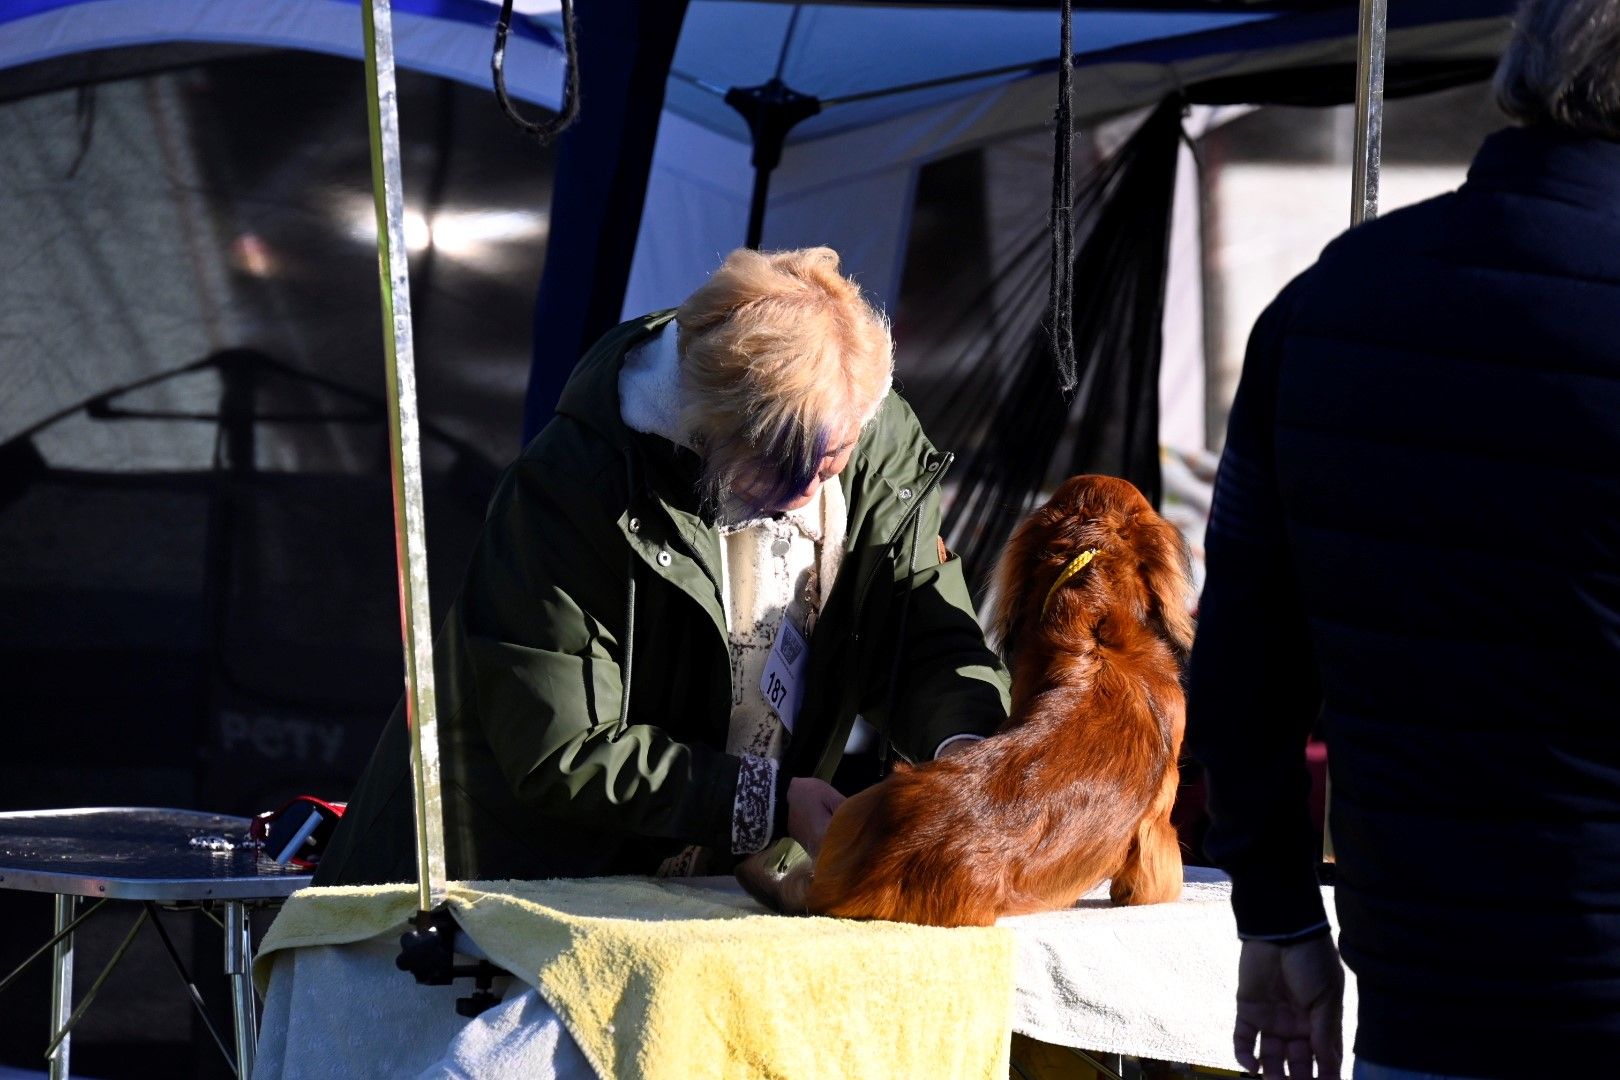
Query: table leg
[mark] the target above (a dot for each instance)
(238, 948)
(62, 985)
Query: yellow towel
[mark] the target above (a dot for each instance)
(663, 981)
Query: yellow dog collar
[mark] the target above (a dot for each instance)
(1077, 564)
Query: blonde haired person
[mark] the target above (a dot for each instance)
(719, 552)
(782, 363)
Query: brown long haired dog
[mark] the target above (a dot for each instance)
(1077, 786)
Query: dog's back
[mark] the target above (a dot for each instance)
(1078, 785)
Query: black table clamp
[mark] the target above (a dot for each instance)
(428, 952)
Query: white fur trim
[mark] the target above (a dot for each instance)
(650, 387)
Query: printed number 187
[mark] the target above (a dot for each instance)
(774, 690)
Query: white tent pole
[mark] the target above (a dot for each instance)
(404, 442)
(1369, 110)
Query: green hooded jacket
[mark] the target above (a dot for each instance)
(583, 674)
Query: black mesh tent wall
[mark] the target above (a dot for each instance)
(197, 601)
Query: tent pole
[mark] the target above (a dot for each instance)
(756, 208)
(1369, 109)
(770, 110)
(404, 443)
(599, 194)
(1363, 207)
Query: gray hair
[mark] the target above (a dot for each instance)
(1563, 66)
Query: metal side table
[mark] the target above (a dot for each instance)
(179, 859)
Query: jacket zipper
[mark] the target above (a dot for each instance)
(923, 491)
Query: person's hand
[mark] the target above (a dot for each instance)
(1292, 998)
(811, 803)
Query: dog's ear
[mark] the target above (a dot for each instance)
(1164, 565)
(1010, 588)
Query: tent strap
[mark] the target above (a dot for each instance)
(544, 131)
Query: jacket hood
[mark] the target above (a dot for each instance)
(591, 396)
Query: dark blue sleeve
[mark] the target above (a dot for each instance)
(1253, 691)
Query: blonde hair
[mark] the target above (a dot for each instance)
(780, 356)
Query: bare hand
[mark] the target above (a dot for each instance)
(811, 803)
(1292, 998)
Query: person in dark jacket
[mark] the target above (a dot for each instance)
(718, 554)
(1415, 542)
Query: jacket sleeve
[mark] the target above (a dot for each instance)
(1253, 692)
(540, 620)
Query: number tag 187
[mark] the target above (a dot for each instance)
(783, 681)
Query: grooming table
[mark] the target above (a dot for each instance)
(145, 856)
(1155, 982)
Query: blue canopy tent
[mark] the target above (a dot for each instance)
(895, 85)
(898, 87)
(664, 173)
(654, 184)
(660, 178)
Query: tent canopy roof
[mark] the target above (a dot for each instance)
(868, 63)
